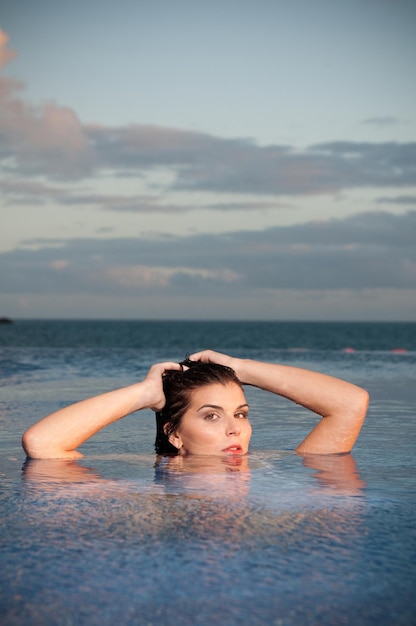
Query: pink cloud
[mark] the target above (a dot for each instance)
(47, 137)
(6, 54)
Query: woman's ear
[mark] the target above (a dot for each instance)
(173, 438)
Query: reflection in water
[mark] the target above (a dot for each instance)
(52, 473)
(225, 539)
(337, 472)
(198, 497)
(210, 476)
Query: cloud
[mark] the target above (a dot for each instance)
(398, 200)
(50, 141)
(46, 140)
(366, 251)
(353, 164)
(206, 163)
(244, 206)
(19, 191)
(45, 148)
(6, 54)
(53, 142)
(139, 276)
(387, 120)
(34, 192)
(42, 139)
(121, 203)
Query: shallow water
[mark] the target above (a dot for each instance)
(275, 539)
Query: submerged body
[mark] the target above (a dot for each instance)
(210, 415)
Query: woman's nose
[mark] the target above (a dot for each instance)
(233, 427)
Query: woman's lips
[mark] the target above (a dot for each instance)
(233, 449)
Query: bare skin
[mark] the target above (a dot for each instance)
(215, 424)
(341, 405)
(59, 434)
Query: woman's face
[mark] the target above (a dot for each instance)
(216, 422)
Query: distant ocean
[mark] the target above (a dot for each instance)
(42, 350)
(46, 350)
(291, 541)
(192, 335)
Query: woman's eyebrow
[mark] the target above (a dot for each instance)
(210, 406)
(220, 408)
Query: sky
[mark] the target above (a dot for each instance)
(231, 159)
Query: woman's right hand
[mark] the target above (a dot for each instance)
(153, 384)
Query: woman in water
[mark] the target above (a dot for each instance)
(201, 409)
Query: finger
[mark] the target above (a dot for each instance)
(157, 370)
(198, 356)
(166, 365)
(208, 356)
(170, 365)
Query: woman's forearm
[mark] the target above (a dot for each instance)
(318, 392)
(60, 433)
(342, 405)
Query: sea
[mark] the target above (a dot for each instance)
(122, 537)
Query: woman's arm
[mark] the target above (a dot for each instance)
(60, 433)
(342, 405)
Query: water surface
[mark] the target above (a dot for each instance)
(119, 537)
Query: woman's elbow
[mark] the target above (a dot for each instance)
(36, 447)
(363, 402)
(30, 443)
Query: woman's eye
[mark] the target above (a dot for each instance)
(241, 416)
(211, 417)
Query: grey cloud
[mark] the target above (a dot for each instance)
(104, 230)
(205, 162)
(51, 141)
(364, 251)
(208, 163)
(398, 200)
(366, 164)
(244, 206)
(387, 120)
(18, 191)
(128, 204)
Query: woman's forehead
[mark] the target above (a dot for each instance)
(219, 394)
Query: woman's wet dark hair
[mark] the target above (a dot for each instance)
(178, 387)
